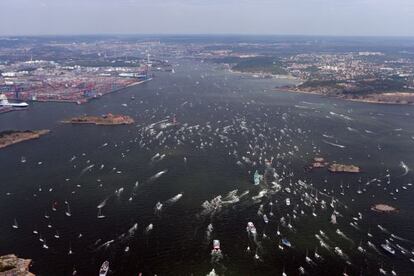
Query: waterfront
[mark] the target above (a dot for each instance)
(221, 104)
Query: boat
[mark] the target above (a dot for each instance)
(286, 243)
(15, 225)
(23, 159)
(54, 206)
(317, 256)
(257, 178)
(5, 103)
(287, 201)
(388, 248)
(339, 251)
(100, 215)
(333, 218)
(278, 231)
(308, 259)
(265, 219)
(360, 248)
(216, 246)
(104, 269)
(251, 228)
(68, 213)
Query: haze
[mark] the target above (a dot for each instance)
(294, 17)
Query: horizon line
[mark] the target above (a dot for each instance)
(206, 34)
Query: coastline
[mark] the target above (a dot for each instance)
(263, 75)
(105, 120)
(8, 138)
(339, 97)
(86, 100)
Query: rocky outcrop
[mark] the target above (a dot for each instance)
(11, 265)
(107, 119)
(11, 137)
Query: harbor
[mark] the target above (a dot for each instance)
(211, 177)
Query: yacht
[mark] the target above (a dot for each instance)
(251, 229)
(104, 269)
(388, 248)
(286, 243)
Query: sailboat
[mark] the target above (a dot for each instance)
(278, 231)
(70, 252)
(68, 213)
(100, 215)
(15, 225)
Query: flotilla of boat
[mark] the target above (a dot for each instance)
(278, 196)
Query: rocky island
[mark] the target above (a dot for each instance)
(344, 168)
(10, 137)
(12, 265)
(107, 119)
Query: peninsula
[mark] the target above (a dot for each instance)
(10, 137)
(107, 119)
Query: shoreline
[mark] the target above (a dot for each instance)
(341, 98)
(263, 75)
(105, 120)
(8, 138)
(87, 100)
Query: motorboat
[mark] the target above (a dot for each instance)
(104, 269)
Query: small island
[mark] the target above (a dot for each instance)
(344, 168)
(383, 208)
(12, 265)
(107, 119)
(10, 137)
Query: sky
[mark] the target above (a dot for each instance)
(262, 17)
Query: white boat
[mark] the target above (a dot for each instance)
(5, 103)
(216, 244)
(100, 215)
(68, 213)
(15, 225)
(339, 251)
(287, 201)
(104, 269)
(251, 229)
(388, 248)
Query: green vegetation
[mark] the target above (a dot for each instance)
(260, 65)
(358, 87)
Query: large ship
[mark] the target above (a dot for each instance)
(5, 103)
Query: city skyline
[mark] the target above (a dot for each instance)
(262, 17)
